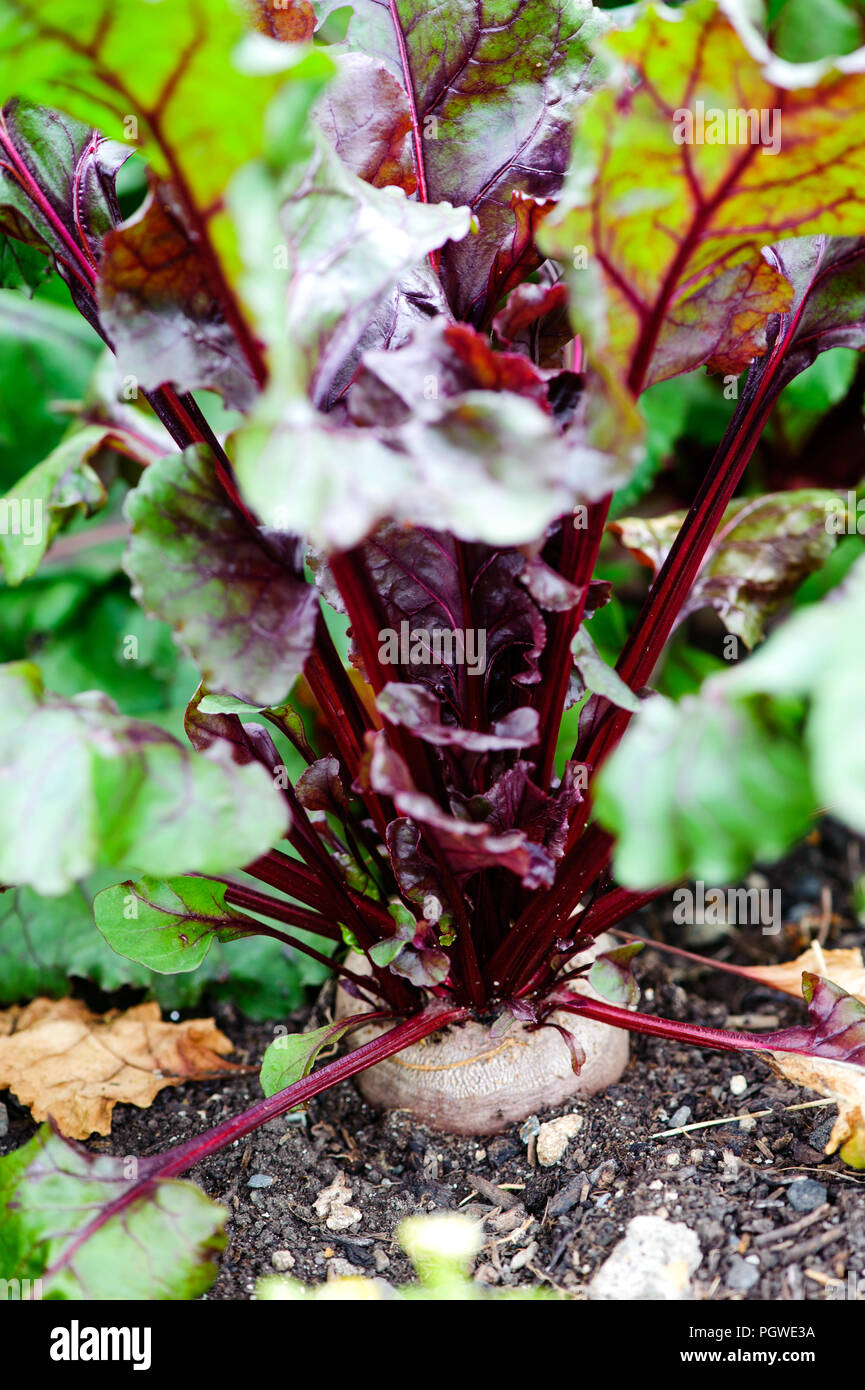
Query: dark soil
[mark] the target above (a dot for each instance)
(731, 1182)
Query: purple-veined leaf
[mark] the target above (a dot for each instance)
(320, 787)
(536, 320)
(492, 90)
(159, 303)
(365, 116)
(827, 275)
(763, 549)
(77, 1222)
(168, 925)
(228, 591)
(671, 220)
(515, 802)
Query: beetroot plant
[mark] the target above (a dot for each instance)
(430, 258)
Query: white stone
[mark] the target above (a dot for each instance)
(738, 1084)
(283, 1260)
(554, 1137)
(656, 1260)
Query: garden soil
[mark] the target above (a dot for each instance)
(776, 1219)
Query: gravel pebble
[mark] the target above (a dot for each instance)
(805, 1194)
(259, 1180)
(738, 1084)
(741, 1275)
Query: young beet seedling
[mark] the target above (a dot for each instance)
(434, 288)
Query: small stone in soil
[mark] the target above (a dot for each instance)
(342, 1269)
(805, 1194)
(681, 1117)
(259, 1180)
(282, 1260)
(738, 1084)
(655, 1260)
(741, 1275)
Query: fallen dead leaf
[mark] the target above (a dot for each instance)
(62, 1061)
(842, 1082)
(844, 968)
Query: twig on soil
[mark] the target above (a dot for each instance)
(810, 1247)
(732, 1119)
(783, 1232)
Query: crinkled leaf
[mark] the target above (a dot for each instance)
(492, 89)
(58, 1225)
(442, 360)
(341, 247)
(515, 802)
(467, 845)
(536, 320)
(761, 552)
(115, 790)
(674, 230)
(168, 925)
(366, 118)
(159, 301)
(226, 590)
(416, 708)
(464, 472)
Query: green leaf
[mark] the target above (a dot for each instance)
(761, 552)
(702, 788)
(167, 925)
(597, 676)
(47, 353)
(293, 1055)
(612, 978)
(807, 29)
(227, 590)
(46, 499)
(112, 790)
(56, 1225)
(673, 224)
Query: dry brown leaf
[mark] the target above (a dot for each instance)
(844, 968)
(842, 1082)
(62, 1061)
